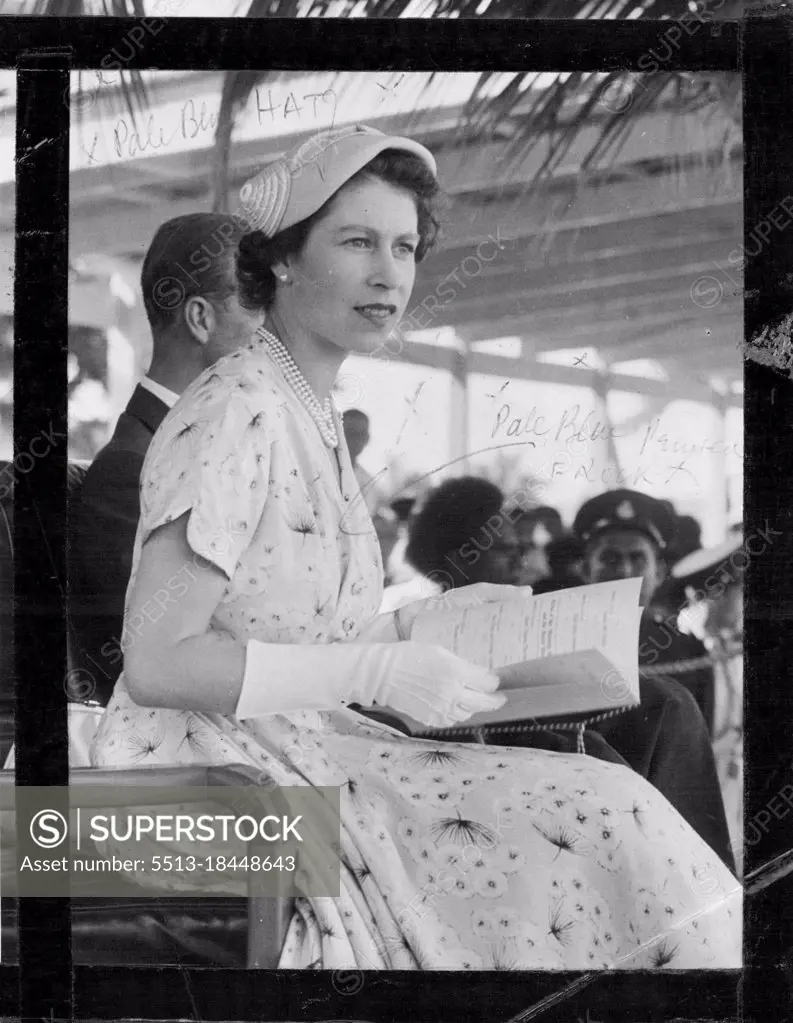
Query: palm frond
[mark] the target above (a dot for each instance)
(93, 86)
(82, 9)
(553, 119)
(547, 114)
(237, 89)
(124, 8)
(59, 8)
(131, 87)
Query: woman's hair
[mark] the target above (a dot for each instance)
(257, 254)
(529, 518)
(454, 514)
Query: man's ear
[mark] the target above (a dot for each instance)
(199, 318)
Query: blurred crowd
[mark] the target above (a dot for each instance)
(467, 531)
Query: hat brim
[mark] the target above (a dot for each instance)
(641, 526)
(648, 516)
(310, 197)
(306, 179)
(706, 560)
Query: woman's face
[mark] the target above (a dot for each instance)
(533, 565)
(533, 537)
(493, 556)
(625, 554)
(352, 281)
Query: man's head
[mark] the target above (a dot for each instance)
(536, 528)
(565, 556)
(625, 535)
(356, 431)
(462, 536)
(190, 291)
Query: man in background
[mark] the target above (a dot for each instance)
(356, 433)
(195, 317)
(627, 534)
(385, 522)
(565, 557)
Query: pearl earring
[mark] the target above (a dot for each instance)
(283, 277)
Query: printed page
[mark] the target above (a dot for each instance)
(567, 621)
(559, 686)
(565, 653)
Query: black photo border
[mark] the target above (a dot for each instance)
(48, 985)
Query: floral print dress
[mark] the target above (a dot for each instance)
(453, 856)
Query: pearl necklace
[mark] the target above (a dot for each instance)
(321, 413)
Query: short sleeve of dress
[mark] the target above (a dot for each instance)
(213, 461)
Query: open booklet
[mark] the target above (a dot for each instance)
(559, 654)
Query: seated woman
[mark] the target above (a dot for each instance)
(249, 490)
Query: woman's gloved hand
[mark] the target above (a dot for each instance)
(422, 680)
(463, 596)
(433, 685)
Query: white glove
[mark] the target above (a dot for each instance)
(426, 682)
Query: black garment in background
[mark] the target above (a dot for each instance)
(661, 643)
(555, 742)
(666, 741)
(545, 739)
(552, 583)
(103, 521)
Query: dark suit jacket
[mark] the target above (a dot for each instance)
(660, 643)
(102, 525)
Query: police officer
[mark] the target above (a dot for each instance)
(626, 535)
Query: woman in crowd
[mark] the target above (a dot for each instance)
(571, 863)
(565, 557)
(536, 528)
(461, 537)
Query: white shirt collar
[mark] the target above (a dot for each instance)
(166, 396)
